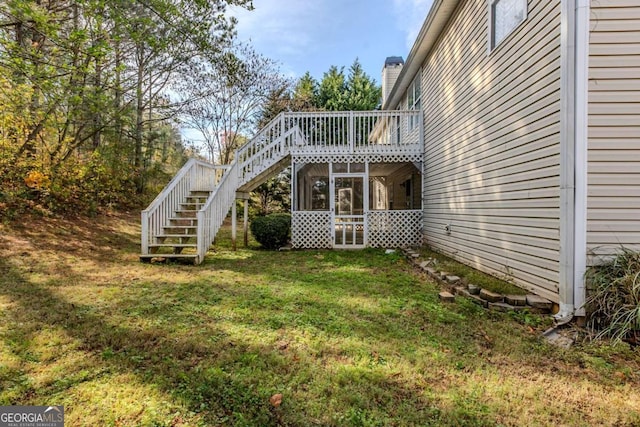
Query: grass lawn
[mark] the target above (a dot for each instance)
(348, 338)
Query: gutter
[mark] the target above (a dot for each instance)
(574, 56)
(437, 19)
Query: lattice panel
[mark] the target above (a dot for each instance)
(394, 229)
(311, 230)
(357, 158)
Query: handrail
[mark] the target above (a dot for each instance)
(211, 216)
(194, 175)
(289, 133)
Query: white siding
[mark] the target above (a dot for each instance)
(613, 216)
(492, 145)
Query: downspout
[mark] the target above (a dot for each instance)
(567, 161)
(581, 151)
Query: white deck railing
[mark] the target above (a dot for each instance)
(314, 133)
(211, 216)
(195, 175)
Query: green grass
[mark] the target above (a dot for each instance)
(349, 338)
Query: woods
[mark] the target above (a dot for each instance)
(94, 95)
(87, 113)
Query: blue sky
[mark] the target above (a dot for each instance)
(312, 35)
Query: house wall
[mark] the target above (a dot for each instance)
(492, 132)
(613, 197)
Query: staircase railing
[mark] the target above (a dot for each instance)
(313, 132)
(211, 216)
(265, 149)
(195, 175)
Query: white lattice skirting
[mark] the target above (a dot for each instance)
(386, 229)
(394, 229)
(311, 230)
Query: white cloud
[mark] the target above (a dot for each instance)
(283, 24)
(411, 15)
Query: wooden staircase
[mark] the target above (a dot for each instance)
(178, 239)
(182, 222)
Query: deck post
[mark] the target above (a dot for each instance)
(246, 223)
(233, 225)
(352, 132)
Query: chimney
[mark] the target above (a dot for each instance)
(390, 72)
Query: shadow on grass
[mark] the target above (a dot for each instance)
(210, 379)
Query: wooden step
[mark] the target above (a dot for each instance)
(176, 248)
(181, 239)
(191, 206)
(186, 213)
(183, 222)
(180, 229)
(185, 258)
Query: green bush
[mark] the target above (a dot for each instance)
(613, 303)
(272, 231)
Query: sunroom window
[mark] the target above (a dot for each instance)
(506, 15)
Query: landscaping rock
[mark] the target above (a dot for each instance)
(476, 299)
(460, 290)
(490, 296)
(518, 300)
(501, 306)
(444, 274)
(431, 271)
(536, 301)
(424, 265)
(473, 289)
(446, 297)
(452, 280)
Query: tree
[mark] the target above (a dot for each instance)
(362, 93)
(333, 90)
(224, 99)
(89, 83)
(305, 94)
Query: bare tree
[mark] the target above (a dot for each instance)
(224, 98)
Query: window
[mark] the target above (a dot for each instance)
(506, 15)
(413, 100)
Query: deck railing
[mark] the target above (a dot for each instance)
(195, 175)
(355, 131)
(211, 216)
(375, 132)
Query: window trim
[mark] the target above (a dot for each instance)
(417, 100)
(491, 44)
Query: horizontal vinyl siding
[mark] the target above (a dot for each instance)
(492, 145)
(613, 197)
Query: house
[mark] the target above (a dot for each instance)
(509, 140)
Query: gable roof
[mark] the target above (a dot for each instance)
(436, 20)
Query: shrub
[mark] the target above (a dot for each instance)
(272, 231)
(613, 303)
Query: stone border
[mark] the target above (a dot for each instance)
(491, 300)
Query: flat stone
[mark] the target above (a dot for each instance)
(424, 264)
(476, 299)
(519, 300)
(452, 280)
(415, 255)
(501, 306)
(446, 296)
(490, 296)
(460, 290)
(473, 289)
(431, 271)
(536, 301)
(444, 274)
(559, 338)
